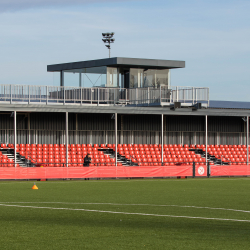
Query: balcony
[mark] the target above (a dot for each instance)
(28, 94)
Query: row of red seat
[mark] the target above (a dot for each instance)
(157, 152)
(154, 149)
(79, 165)
(198, 146)
(56, 150)
(52, 145)
(169, 164)
(236, 151)
(3, 145)
(60, 152)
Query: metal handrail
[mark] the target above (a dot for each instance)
(102, 95)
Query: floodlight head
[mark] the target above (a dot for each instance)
(108, 39)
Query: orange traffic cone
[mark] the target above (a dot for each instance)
(35, 186)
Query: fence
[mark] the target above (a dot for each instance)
(102, 96)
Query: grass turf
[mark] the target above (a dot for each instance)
(39, 227)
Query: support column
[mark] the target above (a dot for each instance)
(121, 130)
(247, 138)
(160, 95)
(206, 140)
(80, 79)
(116, 139)
(76, 133)
(61, 78)
(15, 138)
(67, 136)
(118, 83)
(28, 128)
(162, 137)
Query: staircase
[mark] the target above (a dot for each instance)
(120, 158)
(10, 155)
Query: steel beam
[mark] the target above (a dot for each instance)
(15, 138)
(67, 136)
(162, 138)
(116, 139)
(247, 138)
(206, 138)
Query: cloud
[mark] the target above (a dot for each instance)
(15, 5)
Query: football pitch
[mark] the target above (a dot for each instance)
(126, 214)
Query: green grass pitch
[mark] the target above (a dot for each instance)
(126, 214)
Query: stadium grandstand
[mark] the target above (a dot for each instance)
(124, 113)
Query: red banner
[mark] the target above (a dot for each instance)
(230, 170)
(93, 172)
(120, 172)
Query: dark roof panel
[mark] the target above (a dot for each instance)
(119, 61)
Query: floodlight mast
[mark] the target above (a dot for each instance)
(108, 39)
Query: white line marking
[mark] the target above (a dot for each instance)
(126, 213)
(118, 204)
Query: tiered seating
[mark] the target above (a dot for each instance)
(54, 155)
(229, 154)
(148, 154)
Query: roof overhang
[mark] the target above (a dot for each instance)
(119, 62)
(121, 110)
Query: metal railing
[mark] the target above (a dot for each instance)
(102, 96)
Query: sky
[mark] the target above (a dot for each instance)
(212, 37)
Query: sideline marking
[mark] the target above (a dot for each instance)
(126, 213)
(118, 204)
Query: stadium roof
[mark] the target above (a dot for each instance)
(122, 110)
(119, 62)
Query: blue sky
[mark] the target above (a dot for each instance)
(213, 37)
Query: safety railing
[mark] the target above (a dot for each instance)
(102, 96)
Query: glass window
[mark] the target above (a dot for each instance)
(136, 78)
(112, 77)
(86, 77)
(162, 78)
(156, 78)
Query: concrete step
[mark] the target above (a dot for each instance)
(11, 156)
(124, 163)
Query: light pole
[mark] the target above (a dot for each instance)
(108, 39)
